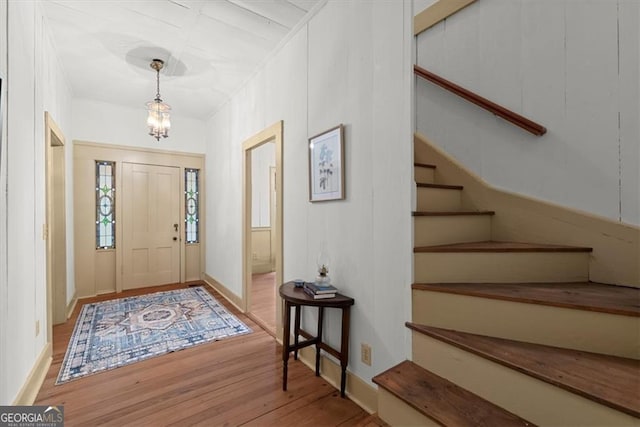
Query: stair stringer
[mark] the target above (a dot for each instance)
(616, 246)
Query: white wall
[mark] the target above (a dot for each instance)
(350, 64)
(36, 83)
(420, 5)
(56, 99)
(571, 66)
(262, 158)
(106, 123)
(4, 303)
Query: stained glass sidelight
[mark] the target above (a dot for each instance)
(191, 204)
(105, 205)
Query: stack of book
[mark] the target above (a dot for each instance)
(319, 290)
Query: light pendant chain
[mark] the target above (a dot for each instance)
(158, 119)
(158, 85)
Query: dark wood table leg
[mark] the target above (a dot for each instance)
(320, 322)
(296, 331)
(344, 348)
(285, 343)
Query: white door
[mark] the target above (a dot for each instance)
(151, 225)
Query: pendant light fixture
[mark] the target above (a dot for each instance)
(158, 119)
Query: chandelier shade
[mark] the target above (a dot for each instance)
(159, 117)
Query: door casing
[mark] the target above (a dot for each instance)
(54, 230)
(273, 133)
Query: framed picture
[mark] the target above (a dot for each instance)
(326, 165)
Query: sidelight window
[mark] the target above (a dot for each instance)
(191, 205)
(105, 205)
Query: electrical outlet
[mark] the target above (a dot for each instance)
(365, 353)
(37, 327)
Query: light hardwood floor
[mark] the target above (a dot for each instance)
(236, 381)
(263, 300)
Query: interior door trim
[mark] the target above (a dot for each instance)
(273, 133)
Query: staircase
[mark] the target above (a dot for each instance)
(508, 333)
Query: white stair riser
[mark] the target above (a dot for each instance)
(438, 199)
(396, 412)
(442, 230)
(424, 175)
(556, 326)
(531, 399)
(501, 267)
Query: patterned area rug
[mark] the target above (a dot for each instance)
(115, 333)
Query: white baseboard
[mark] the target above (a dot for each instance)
(29, 390)
(72, 305)
(358, 390)
(225, 292)
(262, 267)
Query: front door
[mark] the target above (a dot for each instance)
(151, 225)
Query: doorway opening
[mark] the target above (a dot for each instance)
(262, 230)
(55, 228)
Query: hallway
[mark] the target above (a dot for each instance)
(235, 381)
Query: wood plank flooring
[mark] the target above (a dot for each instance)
(235, 381)
(263, 300)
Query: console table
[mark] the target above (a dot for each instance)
(297, 298)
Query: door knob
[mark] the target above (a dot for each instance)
(175, 238)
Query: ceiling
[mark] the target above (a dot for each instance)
(210, 47)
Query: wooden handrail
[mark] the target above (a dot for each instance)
(498, 110)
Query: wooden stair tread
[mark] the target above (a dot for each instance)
(493, 246)
(609, 380)
(440, 186)
(424, 165)
(452, 213)
(588, 296)
(442, 400)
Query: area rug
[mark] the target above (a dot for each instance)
(119, 332)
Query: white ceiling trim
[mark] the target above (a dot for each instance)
(312, 12)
